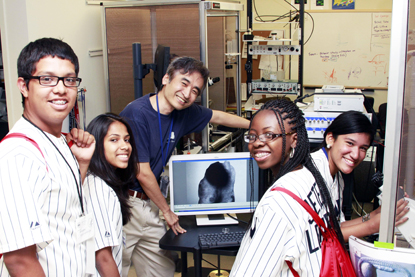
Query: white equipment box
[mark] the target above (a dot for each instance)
(275, 87)
(274, 50)
(333, 88)
(317, 122)
(338, 102)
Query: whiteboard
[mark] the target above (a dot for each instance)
(350, 49)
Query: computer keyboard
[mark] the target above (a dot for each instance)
(223, 239)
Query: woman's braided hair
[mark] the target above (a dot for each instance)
(286, 110)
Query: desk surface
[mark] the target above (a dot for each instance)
(189, 241)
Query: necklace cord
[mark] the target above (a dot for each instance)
(163, 160)
(78, 187)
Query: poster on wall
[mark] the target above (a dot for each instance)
(296, 4)
(320, 4)
(343, 4)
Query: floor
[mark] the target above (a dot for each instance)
(226, 262)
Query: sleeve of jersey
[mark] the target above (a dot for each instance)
(22, 221)
(264, 253)
(100, 201)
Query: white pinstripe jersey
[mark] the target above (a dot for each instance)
(40, 207)
(335, 186)
(101, 200)
(283, 230)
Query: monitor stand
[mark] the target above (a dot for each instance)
(215, 219)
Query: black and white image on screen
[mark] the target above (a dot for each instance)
(190, 175)
(217, 184)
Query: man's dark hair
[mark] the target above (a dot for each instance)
(41, 48)
(119, 179)
(185, 65)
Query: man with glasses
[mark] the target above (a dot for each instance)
(43, 225)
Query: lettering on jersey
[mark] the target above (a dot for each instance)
(313, 246)
(336, 207)
(313, 234)
(314, 199)
(34, 225)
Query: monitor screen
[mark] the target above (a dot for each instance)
(218, 183)
(162, 61)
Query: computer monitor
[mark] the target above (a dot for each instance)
(159, 67)
(211, 186)
(162, 61)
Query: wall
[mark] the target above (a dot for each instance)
(77, 23)
(279, 7)
(175, 26)
(355, 54)
(9, 26)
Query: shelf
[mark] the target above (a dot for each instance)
(269, 40)
(275, 46)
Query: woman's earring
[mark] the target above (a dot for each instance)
(292, 153)
(328, 146)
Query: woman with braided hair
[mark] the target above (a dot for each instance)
(281, 230)
(345, 143)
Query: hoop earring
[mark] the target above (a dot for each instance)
(328, 146)
(292, 153)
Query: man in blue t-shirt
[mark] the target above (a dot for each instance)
(158, 122)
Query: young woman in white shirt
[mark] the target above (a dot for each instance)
(112, 170)
(345, 144)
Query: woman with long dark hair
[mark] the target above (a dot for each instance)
(345, 144)
(281, 230)
(112, 170)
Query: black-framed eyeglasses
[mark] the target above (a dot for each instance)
(52, 81)
(266, 137)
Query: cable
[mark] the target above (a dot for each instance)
(375, 141)
(302, 97)
(260, 18)
(278, 17)
(368, 177)
(210, 263)
(234, 218)
(312, 28)
(360, 207)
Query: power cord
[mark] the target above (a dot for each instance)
(284, 16)
(234, 218)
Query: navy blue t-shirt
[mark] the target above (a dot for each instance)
(144, 122)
